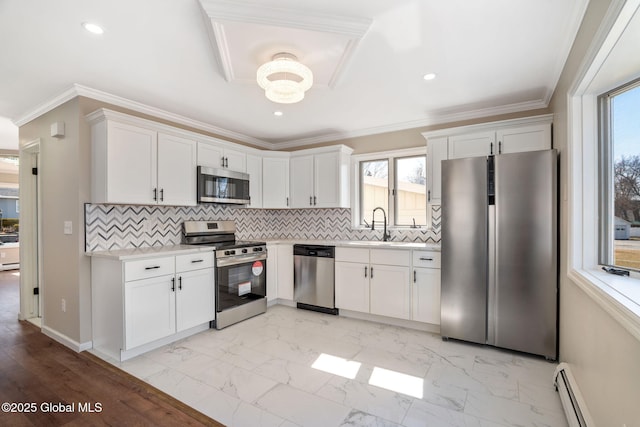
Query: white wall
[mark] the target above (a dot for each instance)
(604, 357)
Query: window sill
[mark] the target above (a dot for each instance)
(395, 227)
(617, 295)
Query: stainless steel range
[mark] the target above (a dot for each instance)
(241, 270)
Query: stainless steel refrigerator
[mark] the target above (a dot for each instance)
(499, 251)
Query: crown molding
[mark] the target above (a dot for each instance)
(79, 90)
(435, 119)
(257, 13)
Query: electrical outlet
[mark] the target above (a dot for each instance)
(64, 305)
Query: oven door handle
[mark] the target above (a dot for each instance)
(243, 259)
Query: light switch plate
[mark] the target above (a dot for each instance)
(68, 227)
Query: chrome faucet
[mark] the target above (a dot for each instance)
(385, 236)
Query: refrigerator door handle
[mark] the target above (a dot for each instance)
(491, 279)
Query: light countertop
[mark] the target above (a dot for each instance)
(149, 252)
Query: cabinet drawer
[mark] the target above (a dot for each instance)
(429, 259)
(195, 261)
(391, 257)
(145, 268)
(352, 255)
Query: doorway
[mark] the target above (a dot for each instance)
(30, 249)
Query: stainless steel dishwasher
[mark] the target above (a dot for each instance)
(314, 278)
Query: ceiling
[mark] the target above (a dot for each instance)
(194, 61)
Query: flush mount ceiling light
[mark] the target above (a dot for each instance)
(284, 79)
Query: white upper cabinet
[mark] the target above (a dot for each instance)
(138, 165)
(275, 182)
(436, 152)
(320, 178)
(254, 169)
(217, 156)
(176, 171)
(524, 138)
(495, 138)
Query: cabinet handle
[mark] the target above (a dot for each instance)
(415, 278)
(155, 194)
(491, 152)
(180, 282)
(499, 147)
(162, 194)
(365, 271)
(152, 268)
(314, 201)
(372, 272)
(226, 162)
(222, 161)
(287, 201)
(425, 259)
(173, 284)
(310, 201)
(196, 260)
(429, 196)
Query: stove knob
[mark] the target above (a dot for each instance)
(232, 252)
(257, 249)
(227, 253)
(244, 251)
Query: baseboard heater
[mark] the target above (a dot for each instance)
(571, 398)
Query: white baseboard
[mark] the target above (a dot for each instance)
(65, 340)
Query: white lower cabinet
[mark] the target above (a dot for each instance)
(140, 303)
(390, 291)
(150, 310)
(285, 271)
(426, 287)
(374, 281)
(352, 286)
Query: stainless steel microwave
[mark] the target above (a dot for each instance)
(222, 186)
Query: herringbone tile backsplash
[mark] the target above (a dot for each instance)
(109, 227)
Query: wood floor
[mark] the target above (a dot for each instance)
(38, 371)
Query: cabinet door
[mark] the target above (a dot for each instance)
(285, 272)
(150, 310)
(195, 300)
(275, 183)
(524, 138)
(436, 153)
(209, 155)
(301, 181)
(352, 286)
(235, 160)
(176, 170)
(390, 291)
(254, 169)
(272, 272)
(330, 183)
(131, 164)
(472, 145)
(426, 295)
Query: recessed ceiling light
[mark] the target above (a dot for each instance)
(429, 76)
(92, 28)
(278, 113)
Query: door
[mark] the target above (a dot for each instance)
(426, 295)
(194, 298)
(210, 155)
(473, 145)
(301, 184)
(390, 291)
(150, 310)
(240, 281)
(235, 160)
(132, 164)
(254, 169)
(275, 183)
(524, 138)
(352, 286)
(464, 249)
(526, 235)
(436, 153)
(176, 170)
(327, 181)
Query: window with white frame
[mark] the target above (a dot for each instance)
(396, 182)
(619, 124)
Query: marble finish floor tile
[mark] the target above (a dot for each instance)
(260, 373)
